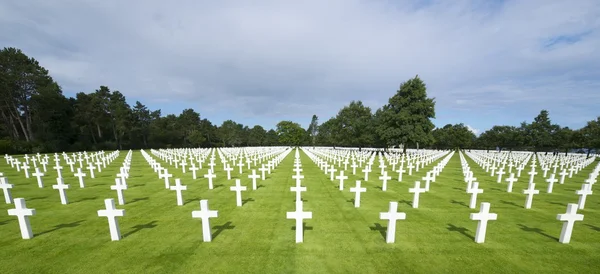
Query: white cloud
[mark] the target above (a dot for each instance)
(272, 60)
(474, 130)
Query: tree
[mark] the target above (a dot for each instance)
(327, 133)
(290, 133)
(231, 133)
(354, 124)
(541, 131)
(257, 136)
(590, 135)
(406, 118)
(453, 136)
(313, 129)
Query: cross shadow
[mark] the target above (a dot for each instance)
(6, 222)
(259, 186)
(406, 202)
(301, 199)
(138, 228)
(304, 226)
(245, 201)
(138, 185)
(190, 200)
(139, 199)
(378, 187)
(536, 230)
(496, 189)
(350, 201)
(459, 203)
(461, 230)
(509, 203)
(593, 227)
(86, 199)
(61, 226)
(221, 228)
(217, 186)
(37, 198)
(458, 188)
(557, 203)
(381, 229)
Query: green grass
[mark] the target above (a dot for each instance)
(160, 237)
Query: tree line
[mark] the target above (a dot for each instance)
(37, 117)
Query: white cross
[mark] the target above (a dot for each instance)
(483, 217)
(26, 169)
(58, 171)
(366, 170)
(23, 213)
(5, 186)
(193, 168)
(299, 215)
(210, 177)
(119, 187)
(298, 189)
(238, 191)
(262, 169)
(183, 165)
(332, 171)
(61, 190)
(410, 168)
(341, 177)
(112, 213)
(178, 188)
(384, 177)
(240, 165)
(545, 169)
(253, 176)
(400, 171)
(586, 189)
(80, 175)
(493, 169)
(474, 190)
(530, 192)
(297, 177)
(551, 182)
(427, 179)
(500, 173)
(205, 214)
(511, 180)
(519, 169)
(417, 190)
(532, 174)
(591, 179)
(392, 216)
(91, 168)
(354, 166)
(122, 175)
(166, 176)
(562, 174)
(570, 217)
(357, 190)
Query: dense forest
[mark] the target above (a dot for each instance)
(37, 117)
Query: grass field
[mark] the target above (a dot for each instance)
(160, 237)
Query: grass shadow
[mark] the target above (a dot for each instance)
(61, 226)
(459, 189)
(139, 199)
(138, 185)
(593, 227)
(217, 186)
(138, 228)
(260, 186)
(6, 222)
(536, 230)
(459, 203)
(461, 230)
(304, 226)
(350, 201)
(381, 229)
(496, 189)
(557, 203)
(378, 187)
(221, 228)
(509, 203)
(247, 200)
(410, 203)
(191, 200)
(86, 199)
(301, 199)
(37, 198)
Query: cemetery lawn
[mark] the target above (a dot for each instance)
(160, 237)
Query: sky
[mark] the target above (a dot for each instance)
(259, 62)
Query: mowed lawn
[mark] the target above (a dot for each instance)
(160, 237)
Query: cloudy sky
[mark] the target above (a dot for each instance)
(259, 62)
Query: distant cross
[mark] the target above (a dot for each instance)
(341, 177)
(331, 171)
(299, 215)
(80, 176)
(493, 169)
(511, 180)
(357, 190)
(91, 168)
(545, 169)
(23, 213)
(400, 171)
(500, 173)
(417, 190)
(119, 187)
(474, 191)
(366, 170)
(112, 213)
(183, 165)
(178, 188)
(5, 186)
(205, 214)
(238, 192)
(210, 177)
(240, 165)
(353, 166)
(427, 179)
(530, 192)
(586, 189)
(60, 186)
(166, 176)
(298, 189)
(569, 218)
(262, 169)
(253, 176)
(392, 216)
(298, 177)
(591, 179)
(384, 177)
(193, 168)
(483, 217)
(26, 170)
(410, 168)
(58, 171)
(532, 174)
(551, 182)
(562, 174)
